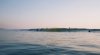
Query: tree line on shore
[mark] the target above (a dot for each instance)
(63, 29)
(56, 29)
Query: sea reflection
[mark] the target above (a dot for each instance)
(49, 43)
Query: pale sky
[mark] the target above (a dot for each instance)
(49, 13)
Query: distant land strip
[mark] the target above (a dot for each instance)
(60, 29)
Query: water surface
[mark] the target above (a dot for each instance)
(49, 43)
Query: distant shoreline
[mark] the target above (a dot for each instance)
(56, 29)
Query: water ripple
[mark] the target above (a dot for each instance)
(37, 49)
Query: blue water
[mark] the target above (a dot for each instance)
(49, 43)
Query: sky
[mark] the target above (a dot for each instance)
(49, 14)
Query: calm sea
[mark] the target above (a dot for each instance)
(49, 43)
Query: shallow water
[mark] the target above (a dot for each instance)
(49, 43)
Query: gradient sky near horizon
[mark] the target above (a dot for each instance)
(49, 13)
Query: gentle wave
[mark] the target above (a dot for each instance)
(36, 49)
